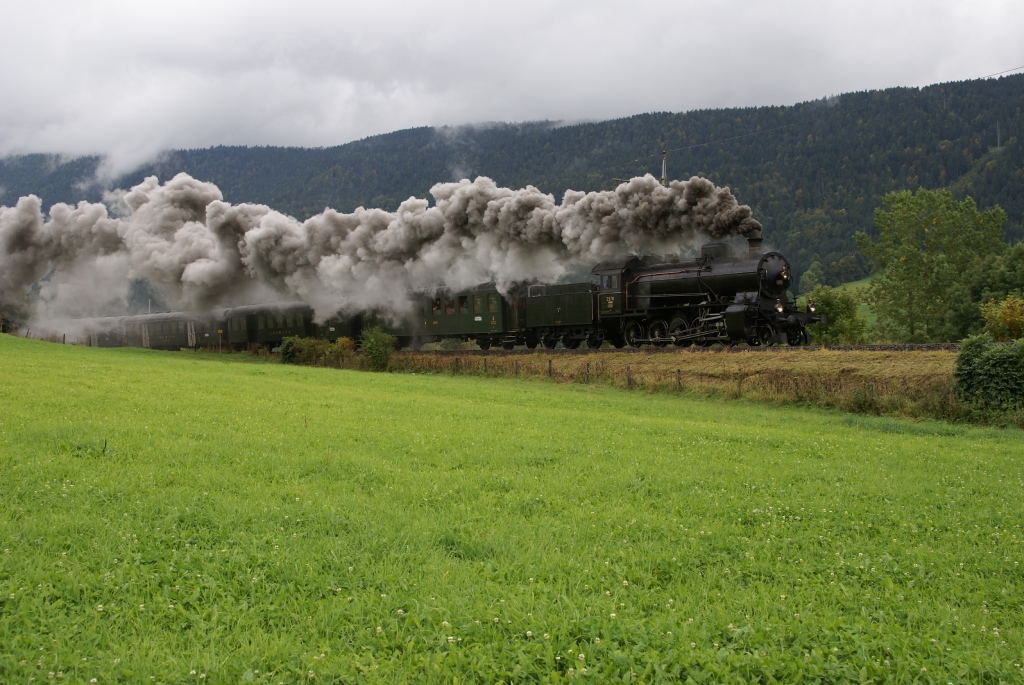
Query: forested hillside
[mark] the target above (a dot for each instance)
(813, 172)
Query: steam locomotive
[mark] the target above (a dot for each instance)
(723, 296)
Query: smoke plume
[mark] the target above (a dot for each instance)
(199, 251)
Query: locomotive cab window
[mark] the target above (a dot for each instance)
(463, 304)
(609, 282)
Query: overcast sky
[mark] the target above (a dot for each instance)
(129, 79)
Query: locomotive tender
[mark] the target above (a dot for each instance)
(723, 296)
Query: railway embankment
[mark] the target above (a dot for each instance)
(906, 381)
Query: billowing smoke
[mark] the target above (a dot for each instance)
(199, 251)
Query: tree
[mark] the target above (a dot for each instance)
(811, 279)
(1004, 320)
(843, 324)
(928, 247)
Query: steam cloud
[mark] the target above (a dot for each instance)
(199, 251)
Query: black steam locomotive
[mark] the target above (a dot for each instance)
(721, 297)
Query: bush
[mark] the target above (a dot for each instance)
(844, 325)
(317, 352)
(378, 347)
(451, 345)
(1004, 320)
(990, 374)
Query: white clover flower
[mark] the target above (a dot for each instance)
(444, 623)
(529, 633)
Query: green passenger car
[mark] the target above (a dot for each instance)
(480, 314)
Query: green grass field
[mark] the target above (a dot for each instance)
(174, 518)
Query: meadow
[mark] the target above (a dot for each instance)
(190, 518)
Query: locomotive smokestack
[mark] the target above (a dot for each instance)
(754, 242)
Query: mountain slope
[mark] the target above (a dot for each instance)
(813, 172)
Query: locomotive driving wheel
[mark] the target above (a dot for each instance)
(593, 342)
(765, 335)
(677, 329)
(633, 333)
(657, 331)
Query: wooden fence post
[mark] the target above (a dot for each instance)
(629, 378)
(739, 384)
(485, 365)
(679, 381)
(588, 374)
(515, 365)
(549, 368)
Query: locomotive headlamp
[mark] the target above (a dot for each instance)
(810, 306)
(778, 306)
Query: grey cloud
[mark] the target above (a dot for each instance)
(131, 79)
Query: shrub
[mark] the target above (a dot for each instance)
(317, 352)
(844, 324)
(990, 374)
(378, 347)
(451, 345)
(1004, 320)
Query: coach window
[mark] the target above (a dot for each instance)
(492, 302)
(435, 306)
(261, 322)
(449, 305)
(478, 304)
(463, 304)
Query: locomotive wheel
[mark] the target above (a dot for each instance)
(618, 343)
(484, 344)
(765, 335)
(679, 327)
(531, 344)
(657, 331)
(572, 344)
(594, 343)
(549, 343)
(507, 346)
(632, 333)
